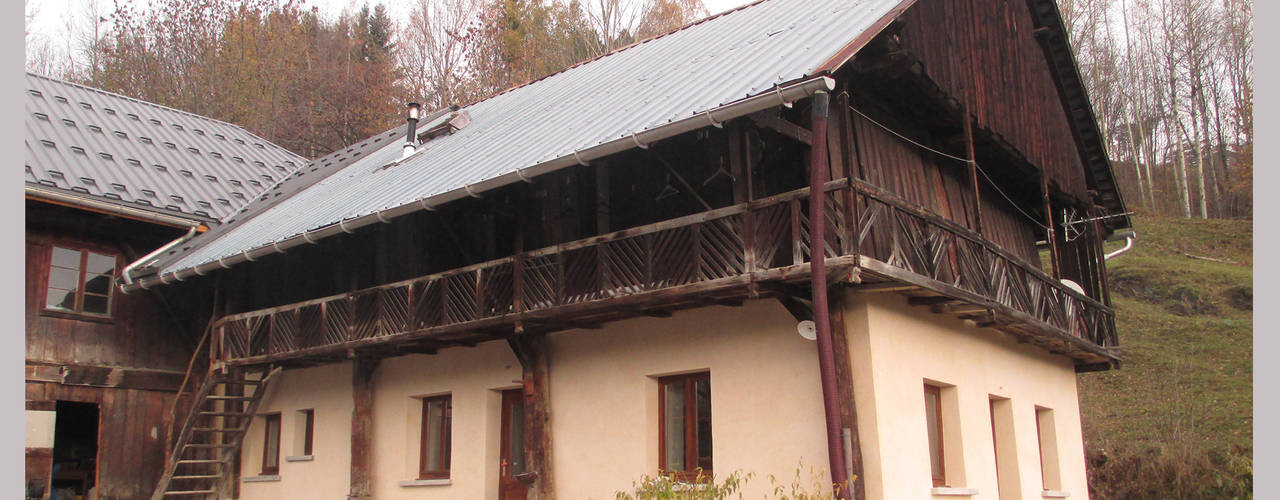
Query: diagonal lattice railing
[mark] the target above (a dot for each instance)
(717, 245)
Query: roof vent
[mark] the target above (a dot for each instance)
(410, 142)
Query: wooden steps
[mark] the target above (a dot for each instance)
(211, 436)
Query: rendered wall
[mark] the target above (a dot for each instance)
(474, 376)
(895, 348)
(327, 390)
(766, 400)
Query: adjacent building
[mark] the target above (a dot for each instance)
(109, 179)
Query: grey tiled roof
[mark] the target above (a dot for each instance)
(746, 52)
(137, 154)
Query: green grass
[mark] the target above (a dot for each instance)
(1176, 420)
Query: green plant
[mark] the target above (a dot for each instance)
(707, 487)
(703, 487)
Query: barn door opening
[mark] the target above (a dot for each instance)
(75, 450)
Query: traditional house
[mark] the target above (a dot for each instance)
(109, 179)
(611, 272)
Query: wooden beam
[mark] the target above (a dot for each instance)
(844, 388)
(771, 120)
(362, 428)
(531, 351)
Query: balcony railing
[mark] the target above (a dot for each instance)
(731, 251)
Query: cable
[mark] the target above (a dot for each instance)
(908, 139)
(956, 158)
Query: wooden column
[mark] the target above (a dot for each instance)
(973, 168)
(1052, 233)
(531, 350)
(362, 428)
(844, 388)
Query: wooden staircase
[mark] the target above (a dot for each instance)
(205, 449)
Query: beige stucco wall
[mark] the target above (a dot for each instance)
(766, 406)
(766, 403)
(895, 348)
(327, 390)
(474, 376)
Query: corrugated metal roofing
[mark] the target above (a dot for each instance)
(723, 59)
(135, 153)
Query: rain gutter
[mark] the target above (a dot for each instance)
(780, 95)
(58, 197)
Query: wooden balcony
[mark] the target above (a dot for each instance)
(876, 242)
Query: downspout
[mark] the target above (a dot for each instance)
(1129, 237)
(128, 280)
(818, 273)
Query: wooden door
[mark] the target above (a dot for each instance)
(512, 454)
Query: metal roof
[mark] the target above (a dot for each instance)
(132, 153)
(750, 51)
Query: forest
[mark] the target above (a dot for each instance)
(1171, 81)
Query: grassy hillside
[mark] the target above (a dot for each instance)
(1176, 420)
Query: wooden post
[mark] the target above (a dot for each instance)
(531, 350)
(362, 428)
(738, 161)
(1052, 234)
(1100, 254)
(844, 386)
(973, 168)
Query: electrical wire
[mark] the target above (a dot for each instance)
(956, 158)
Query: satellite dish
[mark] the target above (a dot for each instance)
(807, 329)
(1073, 286)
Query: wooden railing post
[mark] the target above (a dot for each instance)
(797, 253)
(517, 283)
(748, 240)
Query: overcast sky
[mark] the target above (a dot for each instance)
(52, 16)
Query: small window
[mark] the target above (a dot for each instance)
(306, 421)
(437, 420)
(933, 422)
(684, 428)
(1050, 474)
(80, 282)
(271, 445)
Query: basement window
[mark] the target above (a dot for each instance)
(684, 426)
(79, 282)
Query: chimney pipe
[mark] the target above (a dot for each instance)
(411, 140)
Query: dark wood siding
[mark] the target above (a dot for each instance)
(985, 54)
(936, 183)
(130, 435)
(139, 333)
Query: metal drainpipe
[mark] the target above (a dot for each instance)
(818, 268)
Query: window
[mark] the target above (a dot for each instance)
(271, 445)
(80, 282)
(684, 427)
(437, 416)
(1050, 477)
(304, 432)
(933, 422)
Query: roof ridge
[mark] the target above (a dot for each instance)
(620, 49)
(160, 106)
